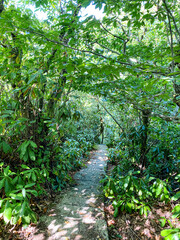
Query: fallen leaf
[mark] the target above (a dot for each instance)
(111, 222)
(92, 205)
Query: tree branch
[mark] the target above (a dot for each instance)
(101, 45)
(3, 45)
(110, 115)
(122, 27)
(174, 21)
(151, 114)
(171, 34)
(114, 35)
(91, 52)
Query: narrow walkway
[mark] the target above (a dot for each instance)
(78, 214)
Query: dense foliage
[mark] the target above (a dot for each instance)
(65, 78)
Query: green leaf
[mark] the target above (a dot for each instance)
(1, 202)
(126, 182)
(141, 211)
(14, 220)
(1, 164)
(146, 211)
(116, 212)
(31, 155)
(27, 219)
(162, 221)
(85, 3)
(34, 192)
(166, 232)
(23, 148)
(148, 5)
(2, 183)
(29, 185)
(159, 189)
(176, 196)
(34, 177)
(172, 234)
(42, 78)
(25, 166)
(15, 180)
(23, 208)
(129, 23)
(129, 207)
(170, 224)
(122, 207)
(8, 186)
(33, 144)
(126, 18)
(32, 78)
(24, 192)
(25, 157)
(166, 191)
(7, 214)
(6, 147)
(1, 129)
(140, 193)
(176, 211)
(16, 196)
(6, 171)
(33, 217)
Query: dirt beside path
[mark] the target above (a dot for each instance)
(78, 213)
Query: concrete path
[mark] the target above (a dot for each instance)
(78, 214)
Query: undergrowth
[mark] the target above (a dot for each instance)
(132, 187)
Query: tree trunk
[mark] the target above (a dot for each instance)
(1, 6)
(144, 136)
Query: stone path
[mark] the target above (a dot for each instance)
(78, 214)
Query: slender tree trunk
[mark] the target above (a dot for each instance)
(102, 130)
(144, 136)
(1, 6)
